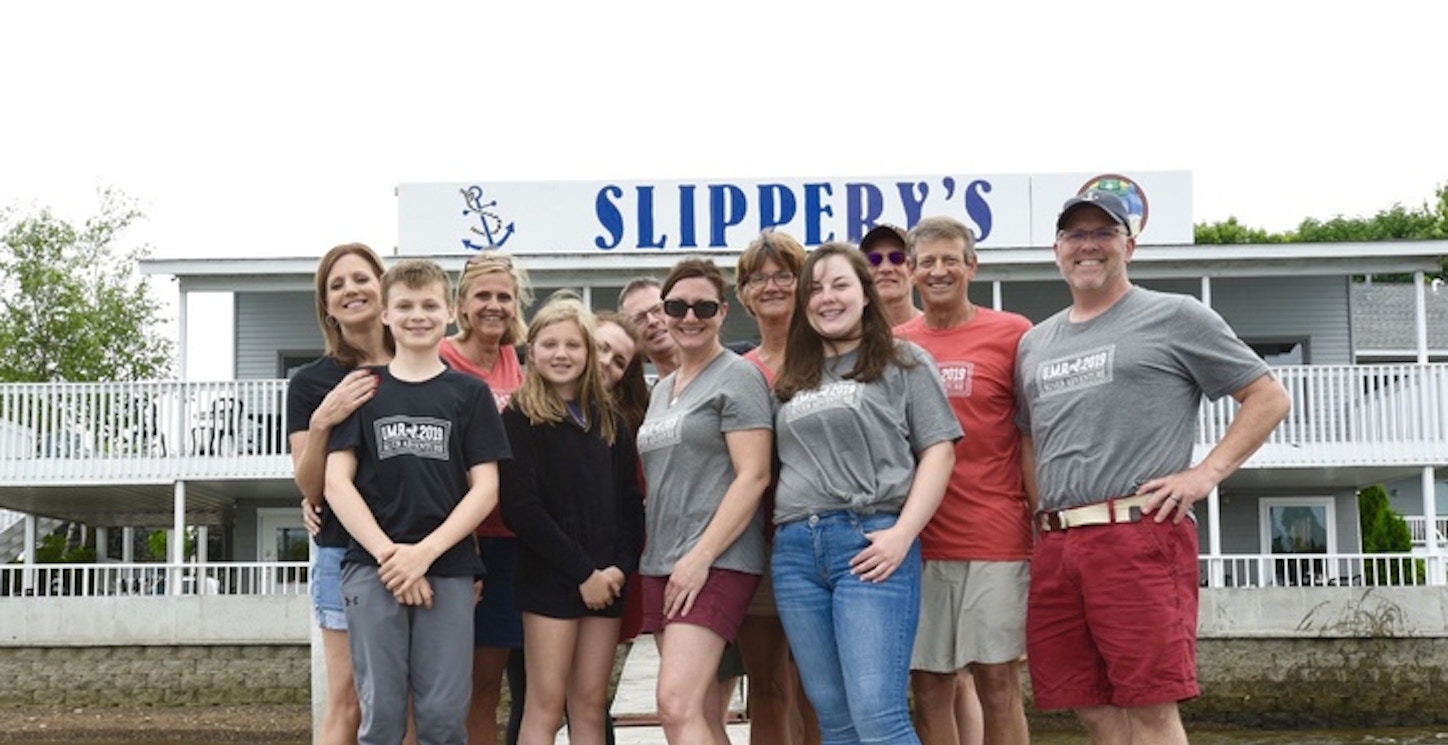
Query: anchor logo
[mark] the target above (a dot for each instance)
(490, 227)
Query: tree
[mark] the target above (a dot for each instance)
(72, 305)
(1426, 222)
(1385, 531)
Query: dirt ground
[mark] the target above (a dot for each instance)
(284, 723)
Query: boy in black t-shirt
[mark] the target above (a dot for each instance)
(411, 474)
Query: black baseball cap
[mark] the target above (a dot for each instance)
(1103, 200)
(883, 232)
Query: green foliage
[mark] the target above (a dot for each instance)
(1426, 222)
(72, 305)
(1385, 531)
(57, 547)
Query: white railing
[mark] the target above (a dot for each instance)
(1350, 414)
(1315, 570)
(142, 430)
(1418, 528)
(90, 580)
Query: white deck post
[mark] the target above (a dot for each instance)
(995, 295)
(1216, 572)
(1430, 528)
(103, 543)
(176, 542)
(27, 583)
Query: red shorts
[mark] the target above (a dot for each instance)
(1112, 615)
(719, 607)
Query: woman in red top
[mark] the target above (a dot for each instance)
(492, 293)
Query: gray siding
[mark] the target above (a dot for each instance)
(1314, 309)
(269, 323)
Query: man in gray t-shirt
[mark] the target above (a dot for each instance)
(1108, 393)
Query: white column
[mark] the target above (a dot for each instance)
(1216, 573)
(128, 545)
(181, 315)
(103, 542)
(995, 295)
(27, 582)
(1430, 527)
(1206, 291)
(1420, 316)
(319, 666)
(176, 541)
(202, 535)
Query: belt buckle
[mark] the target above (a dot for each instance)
(1051, 521)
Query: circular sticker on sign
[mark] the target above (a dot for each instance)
(1129, 192)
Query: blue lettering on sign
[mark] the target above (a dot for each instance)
(814, 208)
(687, 233)
(977, 208)
(646, 220)
(724, 213)
(777, 205)
(863, 205)
(908, 200)
(609, 217)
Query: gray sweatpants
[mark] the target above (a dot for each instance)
(397, 650)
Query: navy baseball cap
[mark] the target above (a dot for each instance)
(1102, 200)
(883, 232)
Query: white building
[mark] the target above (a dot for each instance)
(212, 455)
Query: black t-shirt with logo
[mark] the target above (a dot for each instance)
(415, 442)
(311, 383)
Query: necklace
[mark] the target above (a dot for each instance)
(576, 413)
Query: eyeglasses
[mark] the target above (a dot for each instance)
(781, 278)
(641, 318)
(703, 309)
(1078, 237)
(896, 257)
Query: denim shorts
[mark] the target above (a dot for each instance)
(327, 588)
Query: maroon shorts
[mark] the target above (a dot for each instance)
(1112, 615)
(719, 607)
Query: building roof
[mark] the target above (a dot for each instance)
(1384, 318)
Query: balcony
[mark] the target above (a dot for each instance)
(142, 432)
(159, 432)
(1348, 415)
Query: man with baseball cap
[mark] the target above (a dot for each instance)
(887, 251)
(1108, 392)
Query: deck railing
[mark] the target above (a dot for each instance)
(91, 580)
(1350, 415)
(1317, 570)
(167, 430)
(1418, 529)
(142, 430)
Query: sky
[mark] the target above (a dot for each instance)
(281, 128)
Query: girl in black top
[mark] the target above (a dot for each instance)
(571, 495)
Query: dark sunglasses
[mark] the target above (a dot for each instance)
(703, 309)
(896, 257)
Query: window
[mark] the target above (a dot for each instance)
(1280, 351)
(1297, 528)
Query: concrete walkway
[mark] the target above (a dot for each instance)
(634, 705)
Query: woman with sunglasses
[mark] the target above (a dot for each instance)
(778, 710)
(866, 446)
(888, 253)
(706, 446)
(491, 295)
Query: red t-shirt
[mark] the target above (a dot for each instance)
(505, 378)
(985, 515)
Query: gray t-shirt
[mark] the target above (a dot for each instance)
(687, 466)
(851, 446)
(1112, 402)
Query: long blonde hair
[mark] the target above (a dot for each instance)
(496, 262)
(538, 401)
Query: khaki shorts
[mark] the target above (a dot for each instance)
(971, 612)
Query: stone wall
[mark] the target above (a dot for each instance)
(1322, 682)
(155, 675)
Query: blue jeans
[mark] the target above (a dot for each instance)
(851, 639)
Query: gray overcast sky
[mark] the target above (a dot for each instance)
(281, 128)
